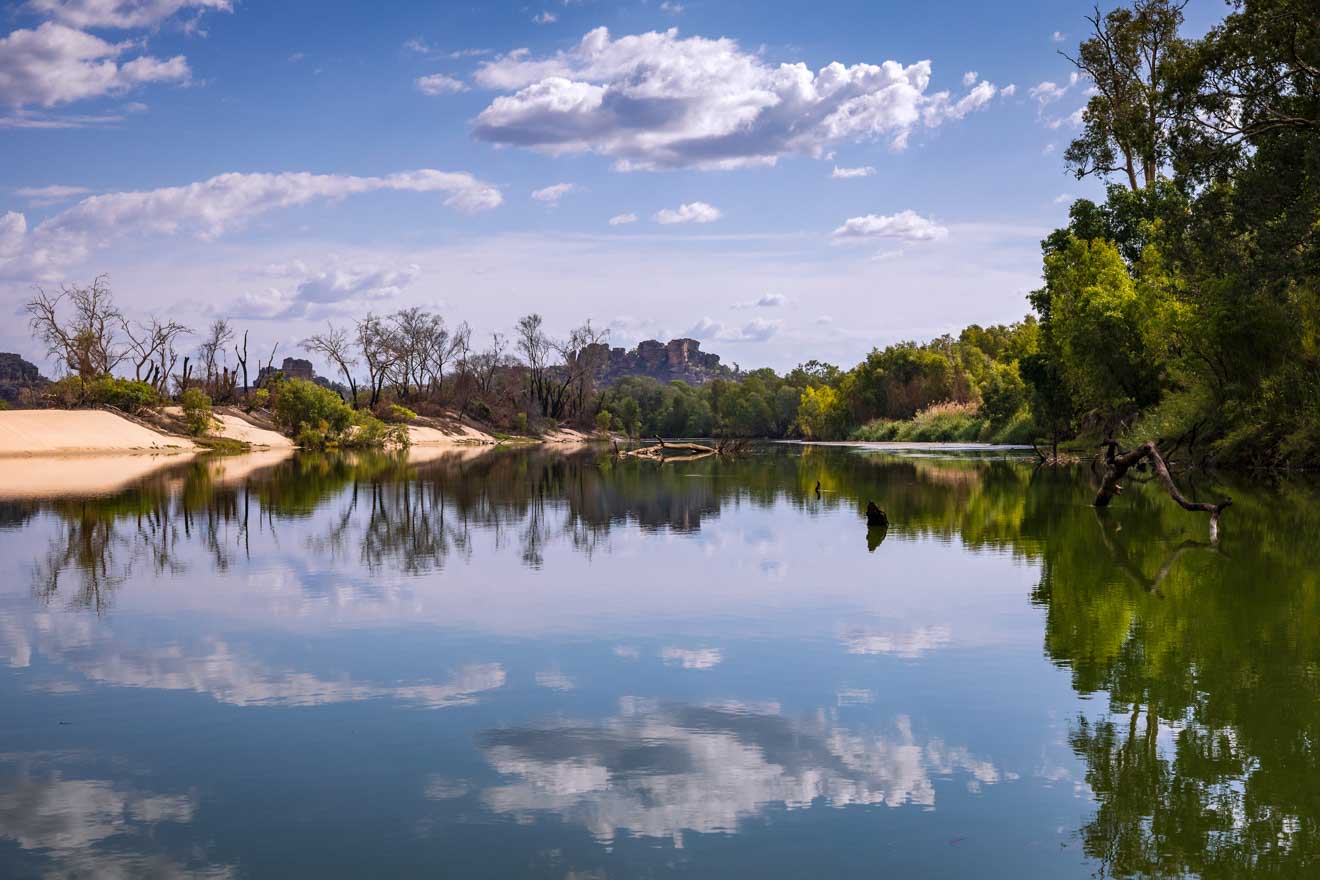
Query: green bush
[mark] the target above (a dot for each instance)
(196, 411)
(603, 421)
(939, 423)
(520, 422)
(128, 395)
(258, 399)
(300, 405)
(400, 414)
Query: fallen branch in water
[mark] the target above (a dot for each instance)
(664, 452)
(1117, 464)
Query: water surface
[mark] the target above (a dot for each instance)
(554, 664)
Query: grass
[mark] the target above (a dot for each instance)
(948, 422)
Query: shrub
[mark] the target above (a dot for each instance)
(196, 411)
(129, 395)
(603, 421)
(68, 392)
(400, 414)
(258, 399)
(948, 422)
(520, 422)
(300, 405)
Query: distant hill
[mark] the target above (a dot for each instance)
(676, 359)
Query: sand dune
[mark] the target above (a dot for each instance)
(52, 431)
(238, 429)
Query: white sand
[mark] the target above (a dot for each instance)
(238, 429)
(55, 431)
(421, 435)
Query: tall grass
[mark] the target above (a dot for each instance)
(948, 422)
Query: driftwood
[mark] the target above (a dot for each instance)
(667, 452)
(1117, 464)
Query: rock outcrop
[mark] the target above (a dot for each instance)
(678, 359)
(17, 374)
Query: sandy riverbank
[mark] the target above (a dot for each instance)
(62, 432)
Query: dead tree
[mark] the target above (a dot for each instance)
(1117, 464)
(242, 356)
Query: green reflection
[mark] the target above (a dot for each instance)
(1201, 759)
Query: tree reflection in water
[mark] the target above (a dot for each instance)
(1203, 763)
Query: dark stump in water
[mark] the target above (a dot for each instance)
(875, 517)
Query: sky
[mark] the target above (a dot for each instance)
(781, 180)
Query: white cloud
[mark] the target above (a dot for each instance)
(621, 219)
(689, 212)
(55, 64)
(552, 194)
(121, 13)
(755, 330)
(969, 78)
(672, 8)
(210, 207)
(905, 226)
(1058, 36)
(322, 292)
(1047, 149)
(764, 301)
(656, 100)
(884, 256)
(1008, 91)
(546, 17)
(1063, 198)
(440, 84)
(1048, 92)
(49, 195)
(849, 173)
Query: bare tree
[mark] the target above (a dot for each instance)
(151, 349)
(336, 346)
(551, 385)
(86, 343)
(241, 354)
(375, 341)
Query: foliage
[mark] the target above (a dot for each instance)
(318, 418)
(258, 399)
(196, 411)
(604, 421)
(400, 414)
(128, 395)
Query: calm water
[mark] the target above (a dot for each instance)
(553, 664)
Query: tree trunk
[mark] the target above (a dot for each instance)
(1117, 464)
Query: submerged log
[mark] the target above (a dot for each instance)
(1118, 463)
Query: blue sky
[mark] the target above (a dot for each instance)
(288, 163)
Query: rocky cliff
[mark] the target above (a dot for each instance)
(17, 374)
(677, 359)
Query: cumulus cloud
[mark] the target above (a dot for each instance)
(849, 173)
(122, 13)
(1058, 36)
(1048, 92)
(904, 226)
(546, 17)
(552, 194)
(689, 212)
(54, 64)
(755, 330)
(656, 100)
(672, 8)
(1008, 91)
(210, 207)
(622, 219)
(440, 84)
(309, 293)
(969, 78)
